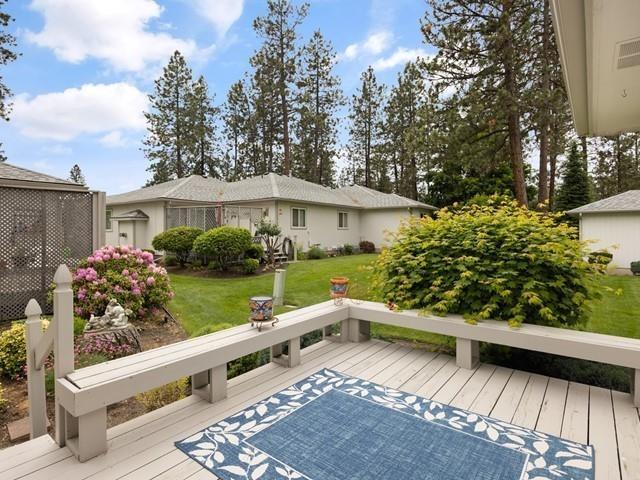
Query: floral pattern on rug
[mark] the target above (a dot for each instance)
(222, 447)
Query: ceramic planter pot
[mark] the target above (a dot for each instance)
(339, 288)
(261, 311)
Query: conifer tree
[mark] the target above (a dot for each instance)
(318, 98)
(278, 57)
(365, 131)
(170, 140)
(7, 55)
(76, 176)
(202, 121)
(236, 117)
(575, 190)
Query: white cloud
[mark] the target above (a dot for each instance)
(57, 149)
(221, 13)
(113, 139)
(116, 31)
(374, 44)
(92, 108)
(400, 56)
(43, 165)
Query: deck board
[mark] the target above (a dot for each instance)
(143, 447)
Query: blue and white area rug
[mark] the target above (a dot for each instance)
(331, 426)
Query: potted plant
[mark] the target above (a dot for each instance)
(635, 267)
(339, 288)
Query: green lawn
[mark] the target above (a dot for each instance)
(200, 302)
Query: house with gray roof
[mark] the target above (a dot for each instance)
(613, 224)
(308, 213)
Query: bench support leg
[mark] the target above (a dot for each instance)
(292, 358)
(344, 331)
(467, 353)
(90, 440)
(635, 387)
(359, 330)
(210, 385)
(327, 332)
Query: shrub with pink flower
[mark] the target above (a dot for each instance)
(125, 273)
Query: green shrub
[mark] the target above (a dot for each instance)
(316, 253)
(197, 263)
(240, 365)
(271, 235)
(601, 257)
(224, 244)
(164, 395)
(170, 260)
(3, 401)
(78, 325)
(499, 261)
(367, 246)
(213, 265)
(13, 351)
(255, 250)
(177, 240)
(250, 265)
(347, 249)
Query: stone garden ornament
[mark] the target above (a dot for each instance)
(115, 316)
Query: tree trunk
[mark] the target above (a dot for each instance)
(553, 162)
(543, 177)
(513, 113)
(585, 153)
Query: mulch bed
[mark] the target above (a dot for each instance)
(152, 335)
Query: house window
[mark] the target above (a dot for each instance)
(108, 220)
(343, 220)
(298, 218)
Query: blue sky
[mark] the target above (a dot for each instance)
(80, 84)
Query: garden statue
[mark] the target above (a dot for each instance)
(115, 316)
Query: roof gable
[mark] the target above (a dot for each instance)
(628, 201)
(20, 174)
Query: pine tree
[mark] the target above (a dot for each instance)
(481, 47)
(575, 189)
(318, 98)
(202, 120)
(365, 131)
(170, 141)
(279, 54)
(236, 118)
(76, 176)
(7, 55)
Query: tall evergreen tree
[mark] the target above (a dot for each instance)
(318, 98)
(7, 55)
(481, 47)
(575, 189)
(278, 30)
(236, 117)
(365, 131)
(76, 176)
(170, 140)
(202, 117)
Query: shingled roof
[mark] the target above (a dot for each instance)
(628, 201)
(19, 176)
(264, 187)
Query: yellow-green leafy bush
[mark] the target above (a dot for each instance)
(164, 395)
(13, 351)
(498, 260)
(3, 401)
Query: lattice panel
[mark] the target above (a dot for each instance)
(39, 230)
(199, 217)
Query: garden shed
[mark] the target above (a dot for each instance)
(44, 221)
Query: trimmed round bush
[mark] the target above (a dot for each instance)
(177, 240)
(316, 253)
(367, 247)
(499, 261)
(250, 265)
(255, 250)
(224, 244)
(125, 273)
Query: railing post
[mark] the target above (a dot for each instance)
(63, 347)
(635, 386)
(467, 353)
(278, 287)
(35, 378)
(211, 385)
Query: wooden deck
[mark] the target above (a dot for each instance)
(143, 448)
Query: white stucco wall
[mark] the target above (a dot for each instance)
(144, 231)
(322, 225)
(375, 225)
(617, 232)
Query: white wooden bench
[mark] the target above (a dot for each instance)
(82, 396)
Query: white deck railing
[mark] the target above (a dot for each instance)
(82, 396)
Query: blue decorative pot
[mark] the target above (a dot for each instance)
(339, 287)
(261, 309)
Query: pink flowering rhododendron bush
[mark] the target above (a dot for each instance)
(127, 274)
